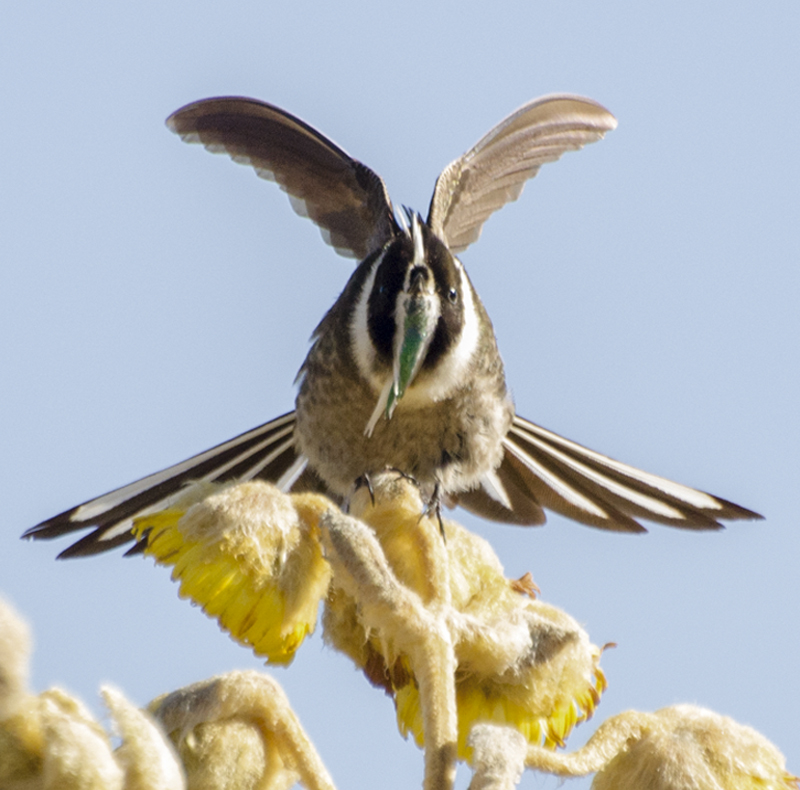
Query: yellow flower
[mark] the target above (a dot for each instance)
(250, 557)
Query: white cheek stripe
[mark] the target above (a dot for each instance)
(468, 342)
(452, 370)
(363, 350)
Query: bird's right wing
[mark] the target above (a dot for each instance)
(495, 170)
(267, 452)
(346, 199)
(541, 469)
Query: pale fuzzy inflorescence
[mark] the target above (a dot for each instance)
(50, 741)
(689, 747)
(238, 730)
(15, 649)
(433, 621)
(477, 668)
(250, 557)
(519, 661)
(682, 747)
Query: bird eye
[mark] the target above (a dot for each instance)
(452, 295)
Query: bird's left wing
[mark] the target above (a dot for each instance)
(267, 452)
(346, 199)
(495, 170)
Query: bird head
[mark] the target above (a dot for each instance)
(415, 327)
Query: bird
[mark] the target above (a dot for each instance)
(403, 371)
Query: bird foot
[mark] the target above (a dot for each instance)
(361, 482)
(433, 507)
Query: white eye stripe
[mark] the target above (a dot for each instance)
(470, 331)
(419, 243)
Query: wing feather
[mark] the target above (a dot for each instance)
(495, 170)
(542, 470)
(267, 452)
(346, 199)
(594, 489)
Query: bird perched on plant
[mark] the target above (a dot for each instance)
(404, 371)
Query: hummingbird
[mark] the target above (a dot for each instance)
(403, 371)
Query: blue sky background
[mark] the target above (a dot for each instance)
(156, 300)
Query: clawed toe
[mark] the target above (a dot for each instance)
(361, 482)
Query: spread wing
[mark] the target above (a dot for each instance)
(541, 469)
(495, 170)
(346, 199)
(267, 452)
